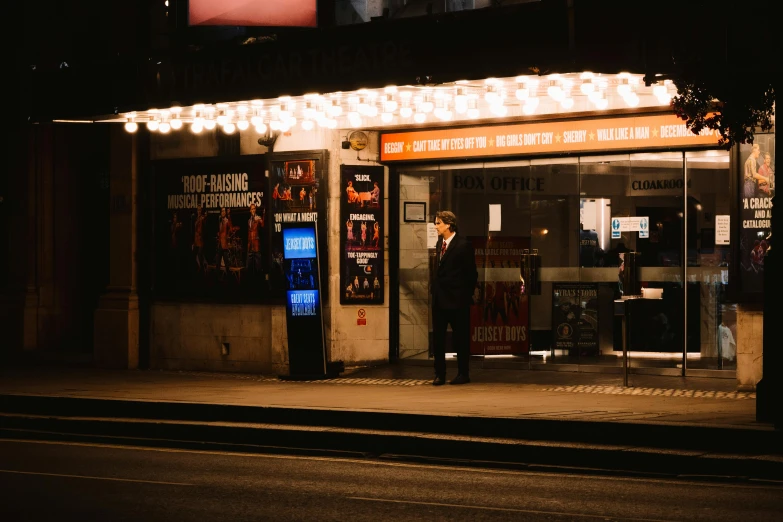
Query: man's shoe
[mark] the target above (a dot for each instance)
(439, 381)
(460, 379)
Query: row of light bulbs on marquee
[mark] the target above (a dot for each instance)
(457, 101)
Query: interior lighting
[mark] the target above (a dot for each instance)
(153, 125)
(229, 128)
(419, 117)
(334, 109)
(567, 103)
(387, 117)
(164, 127)
(307, 125)
(243, 124)
(406, 111)
(209, 124)
(632, 99)
(260, 127)
(196, 127)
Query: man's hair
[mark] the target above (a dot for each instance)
(448, 218)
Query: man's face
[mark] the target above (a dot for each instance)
(441, 227)
(252, 210)
(222, 212)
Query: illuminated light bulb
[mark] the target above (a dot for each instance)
(555, 91)
(390, 89)
(387, 117)
(530, 106)
(595, 95)
(427, 105)
(587, 86)
(260, 127)
(491, 96)
(473, 111)
(499, 109)
(274, 125)
(284, 126)
(229, 128)
(601, 103)
(131, 126)
(406, 112)
(567, 103)
(222, 120)
(623, 88)
(664, 99)
(419, 117)
(522, 92)
(209, 124)
(176, 124)
(631, 99)
(164, 127)
(461, 108)
(354, 119)
(256, 121)
(307, 125)
(460, 97)
(196, 127)
(257, 103)
(153, 125)
(243, 125)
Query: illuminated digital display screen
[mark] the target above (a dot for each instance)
(299, 243)
(303, 303)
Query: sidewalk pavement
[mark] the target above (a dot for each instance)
(658, 424)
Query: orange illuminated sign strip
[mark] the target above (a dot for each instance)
(663, 130)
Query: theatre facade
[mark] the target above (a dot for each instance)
(586, 176)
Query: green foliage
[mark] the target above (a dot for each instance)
(736, 106)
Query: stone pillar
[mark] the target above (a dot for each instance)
(750, 342)
(117, 316)
(769, 392)
(39, 240)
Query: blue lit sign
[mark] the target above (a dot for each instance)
(302, 303)
(299, 243)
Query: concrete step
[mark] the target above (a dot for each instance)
(522, 443)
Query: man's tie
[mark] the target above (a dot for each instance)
(442, 248)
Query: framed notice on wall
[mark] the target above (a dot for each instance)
(575, 317)
(361, 234)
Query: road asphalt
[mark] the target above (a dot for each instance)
(523, 419)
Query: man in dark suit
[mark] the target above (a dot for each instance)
(452, 292)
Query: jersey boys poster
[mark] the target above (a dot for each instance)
(361, 234)
(499, 313)
(575, 317)
(296, 180)
(210, 228)
(756, 191)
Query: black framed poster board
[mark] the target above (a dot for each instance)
(304, 307)
(756, 190)
(361, 234)
(575, 317)
(209, 229)
(297, 182)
